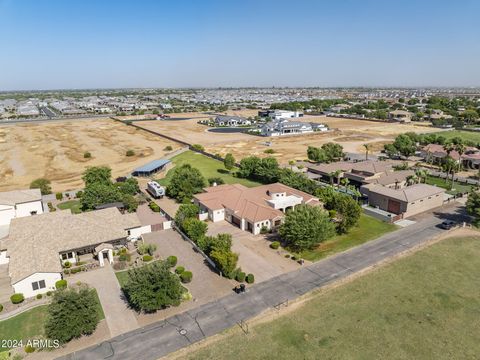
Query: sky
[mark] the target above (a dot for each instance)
(75, 44)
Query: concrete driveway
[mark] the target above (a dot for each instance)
(120, 318)
(255, 255)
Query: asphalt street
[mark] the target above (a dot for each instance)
(159, 339)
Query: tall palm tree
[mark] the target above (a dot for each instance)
(367, 149)
(411, 179)
(422, 175)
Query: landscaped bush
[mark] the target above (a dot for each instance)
(17, 298)
(179, 270)
(77, 269)
(269, 151)
(125, 257)
(154, 207)
(39, 296)
(168, 148)
(59, 196)
(87, 155)
(79, 194)
(147, 249)
(172, 260)
(263, 230)
(287, 256)
(29, 349)
(130, 153)
(67, 264)
(275, 245)
(147, 258)
(186, 277)
(250, 279)
(49, 293)
(61, 284)
(294, 258)
(1, 307)
(240, 276)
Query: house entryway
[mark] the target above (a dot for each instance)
(104, 253)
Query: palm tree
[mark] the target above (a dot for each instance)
(411, 179)
(422, 175)
(367, 149)
(345, 182)
(449, 166)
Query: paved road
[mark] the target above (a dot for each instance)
(159, 339)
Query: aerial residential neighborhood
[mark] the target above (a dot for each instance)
(216, 180)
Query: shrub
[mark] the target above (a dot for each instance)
(186, 277)
(269, 151)
(29, 349)
(43, 185)
(49, 293)
(59, 196)
(168, 148)
(153, 206)
(87, 155)
(294, 258)
(195, 229)
(39, 296)
(17, 298)
(171, 261)
(66, 271)
(287, 256)
(125, 257)
(263, 230)
(250, 279)
(198, 147)
(62, 284)
(147, 249)
(79, 194)
(67, 264)
(130, 153)
(275, 245)
(147, 258)
(240, 276)
(1, 307)
(179, 270)
(215, 180)
(225, 260)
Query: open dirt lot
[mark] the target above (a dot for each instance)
(55, 151)
(351, 134)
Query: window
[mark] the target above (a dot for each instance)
(38, 285)
(35, 285)
(64, 256)
(41, 283)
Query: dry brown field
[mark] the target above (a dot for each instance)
(55, 151)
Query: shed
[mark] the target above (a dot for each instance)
(151, 168)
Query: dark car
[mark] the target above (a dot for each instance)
(447, 225)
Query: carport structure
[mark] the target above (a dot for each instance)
(151, 168)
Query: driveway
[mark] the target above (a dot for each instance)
(255, 255)
(120, 318)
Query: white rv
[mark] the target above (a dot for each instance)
(155, 189)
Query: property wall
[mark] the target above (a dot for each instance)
(25, 286)
(136, 232)
(26, 208)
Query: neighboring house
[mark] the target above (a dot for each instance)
(37, 246)
(19, 203)
(251, 208)
(400, 115)
(280, 114)
(393, 180)
(225, 120)
(436, 154)
(437, 115)
(285, 127)
(408, 201)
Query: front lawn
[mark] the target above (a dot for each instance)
(458, 187)
(368, 228)
(122, 277)
(424, 306)
(464, 135)
(208, 167)
(73, 205)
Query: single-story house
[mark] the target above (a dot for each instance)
(435, 153)
(284, 127)
(152, 167)
(250, 208)
(407, 201)
(226, 120)
(37, 246)
(400, 115)
(19, 203)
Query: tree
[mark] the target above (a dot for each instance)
(405, 145)
(298, 181)
(71, 314)
(185, 182)
(97, 175)
(333, 151)
(195, 229)
(229, 162)
(450, 166)
(152, 287)
(226, 261)
(316, 154)
(367, 149)
(348, 212)
(248, 166)
(390, 150)
(129, 186)
(98, 193)
(470, 116)
(421, 174)
(411, 179)
(184, 212)
(43, 185)
(306, 227)
(473, 206)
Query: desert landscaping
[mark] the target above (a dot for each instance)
(56, 151)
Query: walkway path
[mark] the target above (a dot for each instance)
(161, 338)
(120, 319)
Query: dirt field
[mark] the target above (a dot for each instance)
(351, 134)
(55, 151)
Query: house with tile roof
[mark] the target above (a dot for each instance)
(19, 203)
(251, 208)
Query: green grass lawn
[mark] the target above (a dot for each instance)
(73, 205)
(424, 306)
(122, 277)
(465, 135)
(458, 187)
(368, 228)
(27, 325)
(208, 167)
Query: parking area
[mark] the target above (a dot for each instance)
(255, 255)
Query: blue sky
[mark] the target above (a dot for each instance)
(52, 44)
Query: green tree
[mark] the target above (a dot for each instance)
(333, 151)
(347, 209)
(248, 166)
(71, 314)
(97, 175)
(473, 206)
(153, 287)
(184, 212)
(43, 185)
(306, 227)
(226, 261)
(229, 162)
(316, 154)
(405, 145)
(470, 116)
(97, 194)
(195, 229)
(185, 182)
(129, 186)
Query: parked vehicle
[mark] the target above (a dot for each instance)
(447, 225)
(155, 189)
